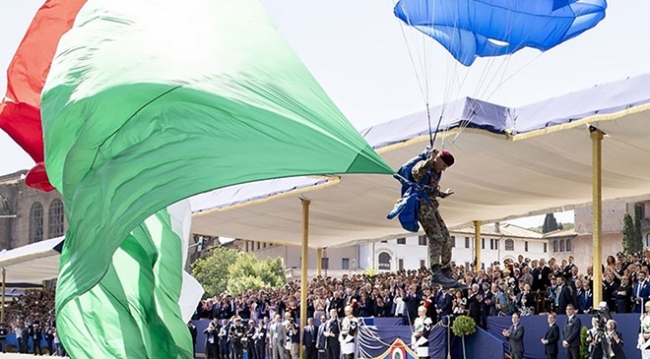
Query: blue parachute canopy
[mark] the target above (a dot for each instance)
(479, 28)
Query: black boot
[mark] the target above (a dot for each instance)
(439, 279)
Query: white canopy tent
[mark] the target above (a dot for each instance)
(33, 263)
(510, 162)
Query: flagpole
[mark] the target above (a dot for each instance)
(304, 267)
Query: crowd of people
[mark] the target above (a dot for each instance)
(514, 288)
(30, 316)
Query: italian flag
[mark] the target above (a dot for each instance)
(143, 104)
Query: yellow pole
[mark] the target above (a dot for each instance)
(4, 283)
(304, 265)
(597, 140)
(319, 262)
(477, 245)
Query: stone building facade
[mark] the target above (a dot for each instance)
(28, 215)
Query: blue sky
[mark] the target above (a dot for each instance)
(358, 53)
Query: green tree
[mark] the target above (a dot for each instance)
(212, 271)
(249, 273)
(628, 234)
(550, 223)
(637, 239)
(584, 346)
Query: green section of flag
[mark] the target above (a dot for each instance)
(148, 103)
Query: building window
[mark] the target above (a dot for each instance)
(510, 245)
(555, 245)
(36, 223)
(453, 241)
(383, 242)
(258, 246)
(568, 245)
(525, 246)
(482, 243)
(647, 240)
(466, 242)
(401, 264)
(384, 261)
(482, 266)
(422, 240)
(561, 245)
(401, 240)
(545, 249)
(496, 244)
(264, 245)
(345, 263)
(246, 247)
(423, 263)
(55, 219)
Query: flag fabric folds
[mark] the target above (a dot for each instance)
(20, 115)
(150, 102)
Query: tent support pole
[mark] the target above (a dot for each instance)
(303, 268)
(319, 263)
(597, 209)
(4, 284)
(477, 244)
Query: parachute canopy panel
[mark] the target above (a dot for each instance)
(471, 28)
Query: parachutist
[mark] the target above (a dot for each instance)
(427, 173)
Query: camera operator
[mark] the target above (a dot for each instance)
(595, 349)
(602, 337)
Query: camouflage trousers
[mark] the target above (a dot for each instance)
(439, 242)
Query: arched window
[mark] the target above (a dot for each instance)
(510, 245)
(384, 261)
(647, 240)
(561, 245)
(36, 223)
(568, 245)
(555, 245)
(55, 219)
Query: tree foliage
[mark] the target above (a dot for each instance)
(230, 270)
(550, 223)
(628, 234)
(637, 239)
(212, 270)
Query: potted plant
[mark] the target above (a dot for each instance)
(462, 327)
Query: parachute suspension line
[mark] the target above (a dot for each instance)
(415, 69)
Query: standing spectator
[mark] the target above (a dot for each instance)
(623, 296)
(211, 340)
(614, 340)
(3, 337)
(332, 331)
(515, 335)
(36, 333)
(551, 338)
(349, 331)
(321, 340)
(571, 333)
(309, 336)
(277, 337)
(563, 296)
(641, 292)
(193, 333)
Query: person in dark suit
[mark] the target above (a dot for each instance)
(571, 333)
(640, 292)
(615, 340)
(515, 335)
(551, 338)
(563, 296)
(309, 336)
(321, 340)
(193, 334)
(623, 296)
(332, 332)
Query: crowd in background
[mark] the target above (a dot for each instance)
(525, 286)
(31, 317)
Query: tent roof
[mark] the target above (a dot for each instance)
(32, 263)
(510, 162)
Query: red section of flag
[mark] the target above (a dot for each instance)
(20, 115)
